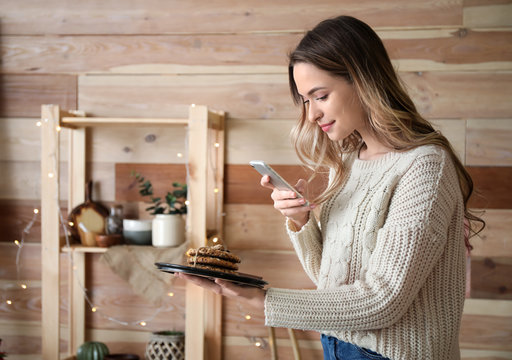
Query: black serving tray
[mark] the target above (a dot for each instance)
(238, 278)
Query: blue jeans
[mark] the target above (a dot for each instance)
(335, 349)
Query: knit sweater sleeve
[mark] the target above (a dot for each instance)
(408, 246)
(308, 245)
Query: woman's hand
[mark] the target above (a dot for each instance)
(251, 295)
(288, 203)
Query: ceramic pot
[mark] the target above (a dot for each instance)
(168, 230)
(166, 345)
(137, 232)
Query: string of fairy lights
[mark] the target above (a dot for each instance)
(213, 238)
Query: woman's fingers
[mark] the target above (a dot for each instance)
(265, 182)
(301, 185)
(201, 281)
(254, 296)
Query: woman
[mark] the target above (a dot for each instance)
(387, 253)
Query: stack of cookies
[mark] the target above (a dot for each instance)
(216, 258)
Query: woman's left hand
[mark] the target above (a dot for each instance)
(251, 295)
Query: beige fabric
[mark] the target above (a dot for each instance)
(136, 265)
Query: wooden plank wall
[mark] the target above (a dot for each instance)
(154, 58)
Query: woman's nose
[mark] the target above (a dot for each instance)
(314, 114)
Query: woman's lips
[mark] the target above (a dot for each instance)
(326, 127)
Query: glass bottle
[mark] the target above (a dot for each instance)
(114, 222)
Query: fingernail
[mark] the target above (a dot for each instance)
(302, 201)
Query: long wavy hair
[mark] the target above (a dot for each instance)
(348, 48)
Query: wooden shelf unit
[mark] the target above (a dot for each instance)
(203, 330)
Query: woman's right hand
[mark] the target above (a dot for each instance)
(288, 204)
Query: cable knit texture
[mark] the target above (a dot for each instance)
(389, 262)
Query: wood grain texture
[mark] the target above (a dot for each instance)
(490, 278)
(486, 332)
(18, 221)
(492, 187)
(218, 52)
(496, 239)
(255, 226)
(22, 95)
(484, 14)
(461, 94)
(488, 142)
(159, 16)
(463, 46)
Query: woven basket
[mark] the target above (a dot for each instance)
(165, 347)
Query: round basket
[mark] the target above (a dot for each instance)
(166, 347)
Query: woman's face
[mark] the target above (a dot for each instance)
(331, 102)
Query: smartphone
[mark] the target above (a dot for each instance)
(276, 179)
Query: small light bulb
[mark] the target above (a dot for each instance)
(23, 286)
(51, 175)
(58, 128)
(180, 155)
(171, 294)
(257, 344)
(215, 239)
(217, 145)
(142, 323)
(193, 105)
(247, 317)
(94, 309)
(71, 223)
(17, 242)
(9, 302)
(36, 211)
(38, 123)
(216, 190)
(187, 202)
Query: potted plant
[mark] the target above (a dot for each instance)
(168, 225)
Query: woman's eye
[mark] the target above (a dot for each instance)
(322, 97)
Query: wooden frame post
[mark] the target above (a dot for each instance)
(76, 268)
(50, 247)
(195, 298)
(203, 323)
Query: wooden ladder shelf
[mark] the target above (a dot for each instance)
(203, 338)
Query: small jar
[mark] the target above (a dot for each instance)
(114, 222)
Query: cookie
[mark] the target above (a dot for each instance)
(215, 268)
(217, 251)
(212, 261)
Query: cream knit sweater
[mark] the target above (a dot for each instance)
(387, 257)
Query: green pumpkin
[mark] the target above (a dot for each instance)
(92, 350)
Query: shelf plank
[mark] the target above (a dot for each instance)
(113, 121)
(83, 249)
